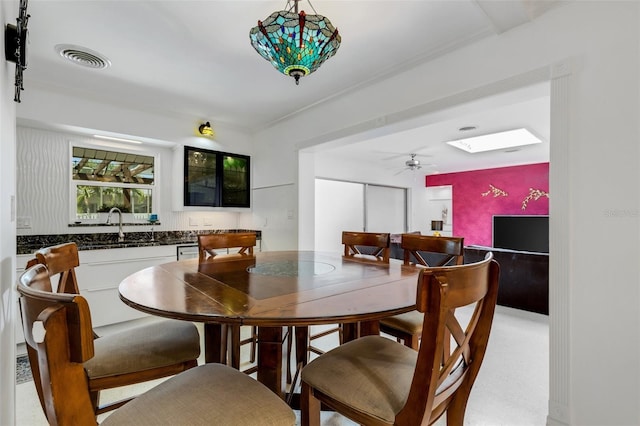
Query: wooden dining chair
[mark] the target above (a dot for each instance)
(362, 247)
(57, 327)
(422, 251)
(366, 246)
(209, 247)
(136, 355)
(374, 380)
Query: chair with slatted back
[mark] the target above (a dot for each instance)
(363, 247)
(422, 251)
(217, 247)
(210, 245)
(57, 327)
(374, 380)
(366, 246)
(140, 354)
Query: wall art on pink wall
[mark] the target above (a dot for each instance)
(480, 194)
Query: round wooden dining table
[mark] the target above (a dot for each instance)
(272, 290)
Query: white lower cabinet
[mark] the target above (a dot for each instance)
(99, 275)
(101, 272)
(21, 262)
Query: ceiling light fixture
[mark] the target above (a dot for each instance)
(205, 129)
(295, 43)
(111, 138)
(493, 141)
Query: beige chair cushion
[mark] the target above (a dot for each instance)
(158, 344)
(211, 394)
(409, 322)
(371, 374)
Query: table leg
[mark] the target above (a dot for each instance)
(215, 349)
(368, 328)
(234, 347)
(270, 358)
(353, 330)
(302, 345)
(350, 331)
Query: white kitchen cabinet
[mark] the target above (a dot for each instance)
(21, 262)
(101, 271)
(99, 275)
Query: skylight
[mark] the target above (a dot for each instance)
(501, 140)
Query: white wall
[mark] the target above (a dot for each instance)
(47, 106)
(330, 166)
(8, 12)
(43, 163)
(439, 201)
(593, 49)
(339, 207)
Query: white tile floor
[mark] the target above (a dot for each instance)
(511, 389)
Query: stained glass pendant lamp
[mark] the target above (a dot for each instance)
(295, 43)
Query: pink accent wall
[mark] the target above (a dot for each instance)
(473, 212)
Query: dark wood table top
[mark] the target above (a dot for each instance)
(273, 289)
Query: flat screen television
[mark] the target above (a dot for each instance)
(519, 232)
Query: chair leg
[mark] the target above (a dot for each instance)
(95, 400)
(309, 407)
(254, 343)
(414, 342)
(289, 347)
(455, 412)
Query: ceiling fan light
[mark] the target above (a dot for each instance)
(413, 164)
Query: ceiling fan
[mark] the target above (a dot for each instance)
(412, 164)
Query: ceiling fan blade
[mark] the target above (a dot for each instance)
(392, 157)
(395, 155)
(417, 150)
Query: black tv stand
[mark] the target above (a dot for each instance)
(524, 277)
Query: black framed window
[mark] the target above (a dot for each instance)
(216, 179)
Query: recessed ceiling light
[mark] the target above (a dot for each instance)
(501, 140)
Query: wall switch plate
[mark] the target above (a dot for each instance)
(23, 222)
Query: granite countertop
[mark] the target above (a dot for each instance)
(27, 244)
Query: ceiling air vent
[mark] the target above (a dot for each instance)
(83, 56)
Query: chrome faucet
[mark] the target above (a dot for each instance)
(120, 233)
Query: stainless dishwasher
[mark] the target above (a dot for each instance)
(187, 252)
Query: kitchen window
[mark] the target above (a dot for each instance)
(102, 179)
(216, 179)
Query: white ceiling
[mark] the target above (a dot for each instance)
(194, 59)
(525, 108)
